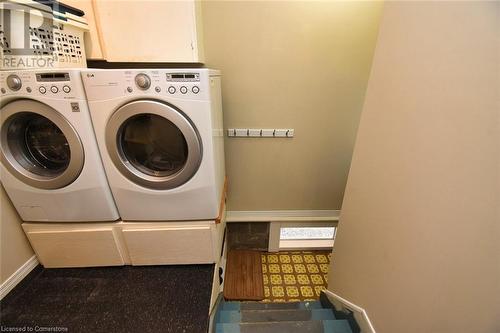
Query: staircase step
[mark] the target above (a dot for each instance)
(337, 326)
(253, 316)
(271, 306)
(325, 326)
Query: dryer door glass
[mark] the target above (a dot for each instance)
(38, 144)
(154, 145)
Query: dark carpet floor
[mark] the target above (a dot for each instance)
(113, 299)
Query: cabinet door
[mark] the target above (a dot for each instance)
(169, 245)
(92, 43)
(149, 31)
(73, 247)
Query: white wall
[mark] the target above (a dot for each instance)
(419, 239)
(291, 64)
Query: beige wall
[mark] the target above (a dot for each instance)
(418, 245)
(14, 246)
(290, 64)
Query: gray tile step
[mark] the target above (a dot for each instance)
(250, 316)
(325, 326)
(274, 306)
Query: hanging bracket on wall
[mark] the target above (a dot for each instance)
(261, 132)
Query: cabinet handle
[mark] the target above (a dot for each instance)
(221, 273)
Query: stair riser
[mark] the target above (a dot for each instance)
(235, 306)
(327, 326)
(254, 316)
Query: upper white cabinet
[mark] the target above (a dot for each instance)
(147, 31)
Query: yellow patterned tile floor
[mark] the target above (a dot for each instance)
(294, 276)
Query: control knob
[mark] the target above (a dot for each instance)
(143, 81)
(14, 82)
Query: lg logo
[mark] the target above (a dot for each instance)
(89, 75)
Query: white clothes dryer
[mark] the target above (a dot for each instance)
(160, 135)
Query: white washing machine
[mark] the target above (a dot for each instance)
(161, 140)
(50, 163)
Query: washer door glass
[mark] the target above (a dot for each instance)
(153, 144)
(38, 144)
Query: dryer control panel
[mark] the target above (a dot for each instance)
(51, 84)
(190, 84)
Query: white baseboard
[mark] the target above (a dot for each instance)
(359, 313)
(282, 215)
(18, 276)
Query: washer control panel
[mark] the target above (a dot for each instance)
(30, 83)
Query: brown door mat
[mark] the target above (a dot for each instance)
(243, 281)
